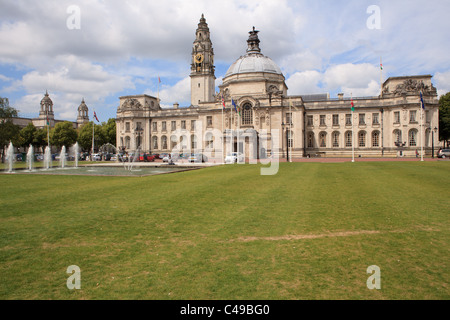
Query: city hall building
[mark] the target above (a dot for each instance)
(271, 121)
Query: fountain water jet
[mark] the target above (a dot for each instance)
(76, 150)
(30, 158)
(47, 158)
(62, 157)
(10, 157)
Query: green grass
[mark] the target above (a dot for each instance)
(309, 232)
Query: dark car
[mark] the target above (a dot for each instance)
(107, 157)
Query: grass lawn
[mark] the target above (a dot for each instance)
(309, 232)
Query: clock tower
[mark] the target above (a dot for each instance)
(202, 66)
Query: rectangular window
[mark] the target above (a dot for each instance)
(155, 126)
(412, 116)
(310, 120)
(362, 118)
(322, 120)
(375, 118)
(163, 126)
(289, 118)
(174, 125)
(193, 125)
(127, 127)
(348, 119)
(138, 126)
(428, 116)
(397, 117)
(209, 121)
(183, 124)
(335, 119)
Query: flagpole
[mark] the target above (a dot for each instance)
(290, 131)
(48, 131)
(353, 133)
(223, 140)
(93, 128)
(381, 77)
(421, 127)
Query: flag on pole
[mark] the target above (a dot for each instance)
(223, 102)
(234, 105)
(421, 101)
(159, 79)
(381, 66)
(48, 121)
(353, 105)
(95, 117)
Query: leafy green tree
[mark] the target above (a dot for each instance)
(40, 138)
(8, 130)
(85, 136)
(444, 118)
(28, 134)
(109, 131)
(63, 134)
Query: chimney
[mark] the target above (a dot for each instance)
(341, 96)
(176, 105)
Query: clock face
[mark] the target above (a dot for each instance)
(199, 58)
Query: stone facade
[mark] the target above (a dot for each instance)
(305, 125)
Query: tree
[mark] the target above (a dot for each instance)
(63, 134)
(109, 131)
(28, 134)
(40, 138)
(8, 130)
(444, 118)
(85, 136)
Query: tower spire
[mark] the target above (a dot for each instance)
(253, 42)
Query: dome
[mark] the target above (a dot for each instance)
(253, 62)
(46, 101)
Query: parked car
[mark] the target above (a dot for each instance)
(197, 157)
(145, 157)
(18, 157)
(163, 155)
(96, 157)
(39, 157)
(234, 157)
(123, 157)
(107, 156)
(114, 157)
(444, 153)
(83, 156)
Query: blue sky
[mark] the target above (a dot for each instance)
(122, 47)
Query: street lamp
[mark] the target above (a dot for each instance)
(432, 141)
(287, 142)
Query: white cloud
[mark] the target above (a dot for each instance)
(306, 82)
(442, 82)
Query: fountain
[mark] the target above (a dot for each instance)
(47, 158)
(30, 158)
(10, 157)
(76, 151)
(62, 157)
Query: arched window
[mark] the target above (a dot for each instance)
(397, 137)
(183, 142)
(311, 140)
(323, 139)
(209, 140)
(247, 114)
(155, 143)
(173, 142)
(164, 142)
(427, 137)
(412, 138)
(335, 139)
(375, 139)
(348, 139)
(362, 139)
